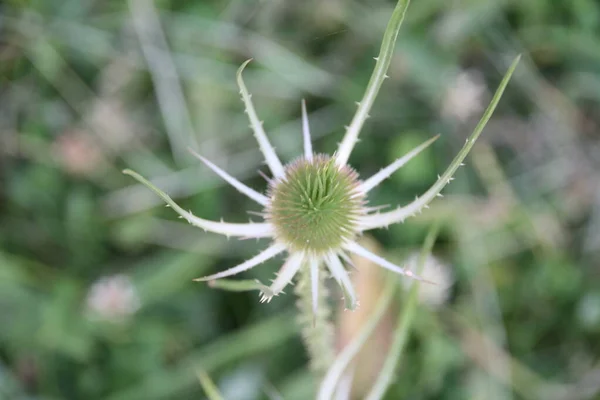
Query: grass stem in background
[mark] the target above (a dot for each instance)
(385, 377)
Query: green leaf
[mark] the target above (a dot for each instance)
(377, 77)
(401, 213)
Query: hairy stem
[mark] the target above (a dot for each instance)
(317, 329)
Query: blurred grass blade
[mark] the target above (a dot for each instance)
(344, 388)
(377, 77)
(385, 377)
(335, 373)
(164, 74)
(211, 390)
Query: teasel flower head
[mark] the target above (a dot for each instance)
(316, 206)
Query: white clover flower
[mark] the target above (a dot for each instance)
(437, 271)
(316, 206)
(465, 97)
(113, 298)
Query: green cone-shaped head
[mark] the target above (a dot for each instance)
(316, 205)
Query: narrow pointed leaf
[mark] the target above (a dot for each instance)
(249, 230)
(379, 74)
(400, 214)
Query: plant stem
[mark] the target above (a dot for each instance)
(317, 329)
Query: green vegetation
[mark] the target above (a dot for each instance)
(96, 293)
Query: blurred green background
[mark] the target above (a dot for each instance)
(96, 297)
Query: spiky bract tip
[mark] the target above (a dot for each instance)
(315, 206)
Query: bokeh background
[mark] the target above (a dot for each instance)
(96, 296)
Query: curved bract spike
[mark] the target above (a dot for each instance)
(261, 257)
(343, 279)
(385, 173)
(401, 213)
(250, 230)
(248, 191)
(308, 153)
(379, 74)
(263, 142)
(284, 276)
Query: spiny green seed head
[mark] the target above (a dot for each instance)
(315, 207)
